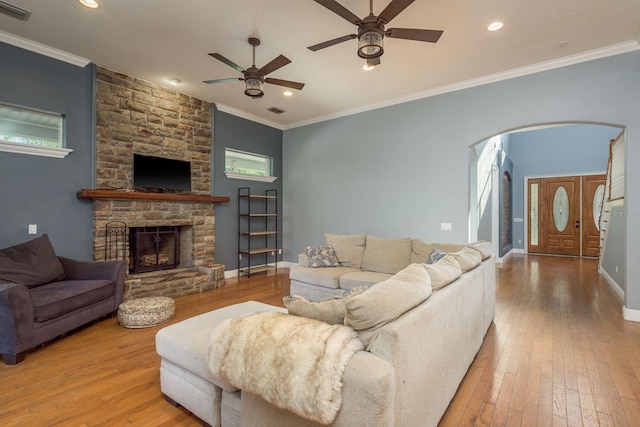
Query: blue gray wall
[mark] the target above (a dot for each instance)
(579, 149)
(402, 170)
(241, 134)
(41, 190)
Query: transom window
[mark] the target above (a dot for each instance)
(28, 131)
(244, 165)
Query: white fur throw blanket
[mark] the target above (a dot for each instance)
(291, 362)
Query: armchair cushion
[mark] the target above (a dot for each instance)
(32, 263)
(66, 296)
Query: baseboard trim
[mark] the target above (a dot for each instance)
(228, 274)
(612, 284)
(630, 314)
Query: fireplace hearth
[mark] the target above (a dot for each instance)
(153, 248)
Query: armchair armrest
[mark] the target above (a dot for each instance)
(96, 270)
(16, 319)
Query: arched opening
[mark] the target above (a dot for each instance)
(557, 149)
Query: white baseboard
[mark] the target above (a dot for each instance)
(612, 284)
(630, 314)
(627, 313)
(228, 274)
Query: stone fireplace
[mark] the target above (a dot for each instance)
(134, 116)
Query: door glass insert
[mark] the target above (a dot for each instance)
(598, 197)
(533, 215)
(561, 209)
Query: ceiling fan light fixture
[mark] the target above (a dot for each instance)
(254, 87)
(93, 4)
(370, 44)
(368, 67)
(495, 26)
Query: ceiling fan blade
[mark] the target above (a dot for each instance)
(431, 36)
(340, 10)
(322, 45)
(232, 79)
(285, 83)
(276, 63)
(393, 9)
(372, 62)
(227, 61)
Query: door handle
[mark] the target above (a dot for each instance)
(577, 223)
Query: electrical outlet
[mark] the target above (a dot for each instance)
(616, 269)
(519, 241)
(33, 228)
(446, 226)
(273, 253)
(279, 251)
(240, 257)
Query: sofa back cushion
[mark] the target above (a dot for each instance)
(468, 258)
(386, 301)
(32, 263)
(349, 248)
(386, 255)
(421, 250)
(443, 272)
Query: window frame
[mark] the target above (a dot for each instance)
(250, 177)
(33, 149)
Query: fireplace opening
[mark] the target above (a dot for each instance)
(153, 248)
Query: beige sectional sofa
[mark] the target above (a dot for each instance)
(421, 329)
(363, 261)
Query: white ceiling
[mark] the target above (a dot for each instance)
(158, 39)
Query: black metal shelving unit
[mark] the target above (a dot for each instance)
(257, 231)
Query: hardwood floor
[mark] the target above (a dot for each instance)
(558, 353)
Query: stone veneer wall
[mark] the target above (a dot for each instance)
(135, 116)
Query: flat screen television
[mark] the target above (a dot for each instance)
(159, 174)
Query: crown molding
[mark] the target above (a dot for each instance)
(43, 49)
(566, 61)
(245, 115)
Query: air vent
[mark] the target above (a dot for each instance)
(276, 110)
(14, 11)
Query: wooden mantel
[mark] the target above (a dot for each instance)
(139, 195)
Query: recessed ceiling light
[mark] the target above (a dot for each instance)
(93, 4)
(367, 67)
(495, 26)
(287, 93)
(174, 81)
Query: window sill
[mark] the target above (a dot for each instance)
(34, 150)
(235, 175)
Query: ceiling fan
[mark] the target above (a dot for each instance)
(371, 31)
(254, 78)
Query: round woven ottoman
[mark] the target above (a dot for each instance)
(146, 312)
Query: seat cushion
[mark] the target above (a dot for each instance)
(328, 277)
(362, 278)
(57, 298)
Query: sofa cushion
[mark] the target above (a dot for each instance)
(443, 272)
(421, 250)
(32, 263)
(386, 255)
(386, 301)
(362, 278)
(349, 248)
(326, 277)
(322, 256)
(468, 258)
(330, 310)
(62, 297)
(483, 247)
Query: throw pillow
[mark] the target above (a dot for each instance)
(349, 248)
(386, 255)
(386, 301)
(435, 256)
(330, 310)
(443, 272)
(322, 256)
(468, 258)
(32, 263)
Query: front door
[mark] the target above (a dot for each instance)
(592, 196)
(564, 214)
(560, 202)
